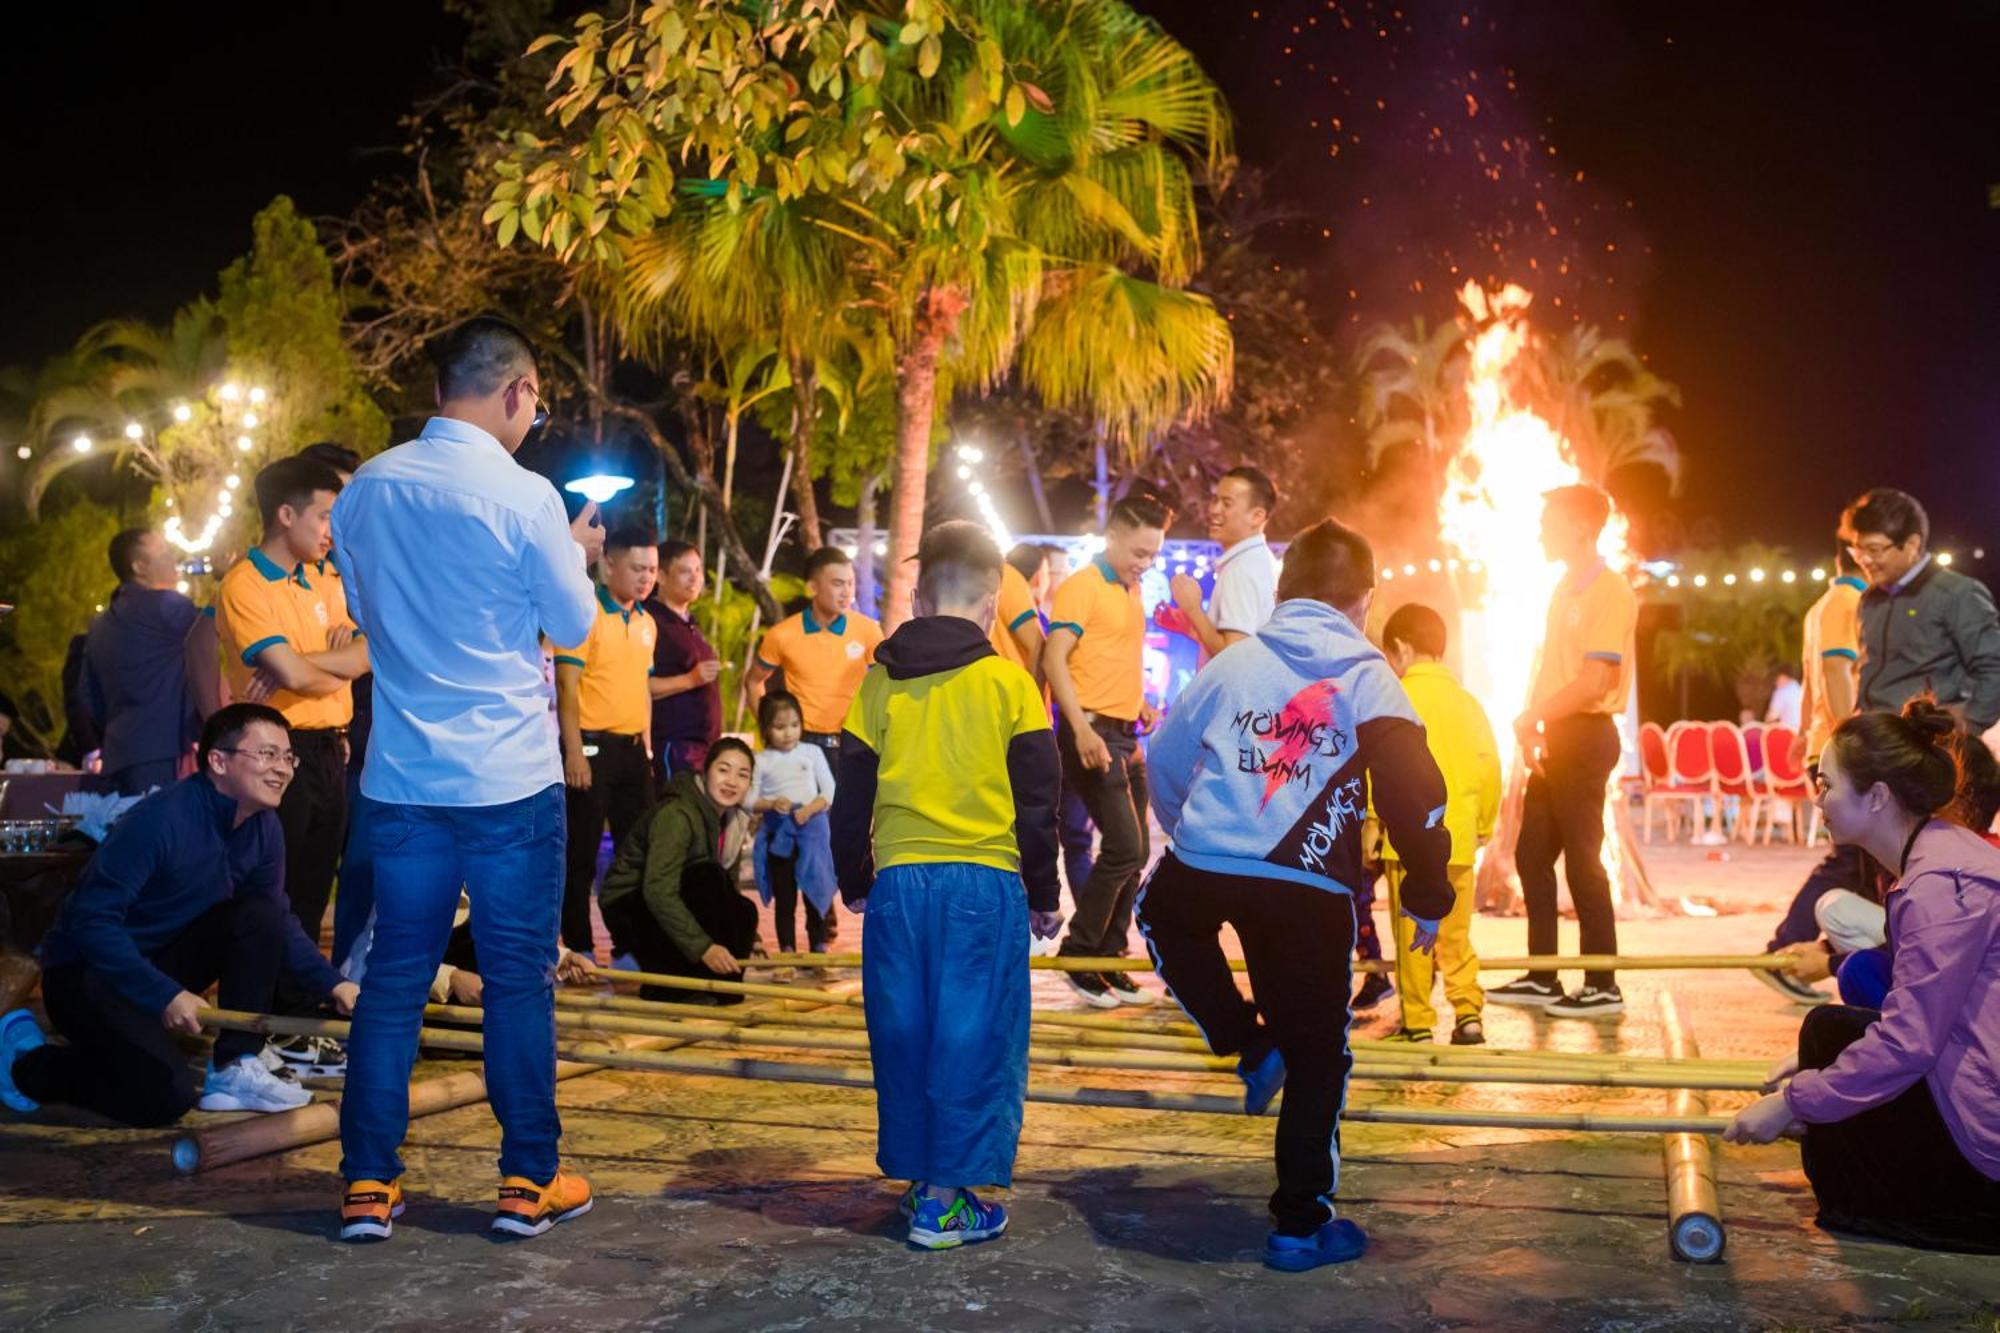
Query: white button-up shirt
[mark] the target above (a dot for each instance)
(1246, 586)
(456, 560)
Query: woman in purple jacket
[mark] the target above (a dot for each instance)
(1900, 1110)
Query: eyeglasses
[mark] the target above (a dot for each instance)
(267, 754)
(541, 411)
(1873, 550)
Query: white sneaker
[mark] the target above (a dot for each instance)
(245, 1085)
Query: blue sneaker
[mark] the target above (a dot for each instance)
(1335, 1242)
(19, 1034)
(965, 1220)
(1261, 1081)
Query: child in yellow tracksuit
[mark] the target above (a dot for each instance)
(1461, 740)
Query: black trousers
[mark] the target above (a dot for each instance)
(1841, 868)
(1892, 1171)
(784, 872)
(1116, 800)
(1296, 941)
(620, 792)
(314, 816)
(1563, 815)
(723, 913)
(119, 1061)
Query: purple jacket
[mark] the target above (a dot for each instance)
(1941, 1021)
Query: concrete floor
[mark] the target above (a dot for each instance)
(725, 1204)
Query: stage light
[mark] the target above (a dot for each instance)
(599, 486)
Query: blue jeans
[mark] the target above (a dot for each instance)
(354, 894)
(1864, 978)
(944, 985)
(509, 858)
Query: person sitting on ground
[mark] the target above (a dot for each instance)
(1855, 946)
(1461, 740)
(670, 898)
(945, 826)
(458, 980)
(186, 892)
(1898, 1109)
(793, 854)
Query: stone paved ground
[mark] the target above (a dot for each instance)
(735, 1205)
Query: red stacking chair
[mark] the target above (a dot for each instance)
(1658, 784)
(1786, 783)
(1733, 776)
(1691, 751)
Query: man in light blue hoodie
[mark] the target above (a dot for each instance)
(1261, 777)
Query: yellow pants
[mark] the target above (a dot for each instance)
(1415, 971)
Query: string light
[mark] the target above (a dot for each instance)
(1818, 575)
(1944, 558)
(192, 545)
(989, 514)
(1728, 580)
(249, 421)
(1673, 580)
(1756, 576)
(257, 395)
(1701, 580)
(81, 444)
(232, 481)
(229, 393)
(24, 453)
(1788, 576)
(244, 444)
(134, 431)
(183, 413)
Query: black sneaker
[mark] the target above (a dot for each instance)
(1527, 991)
(1090, 988)
(1590, 1002)
(1469, 1032)
(307, 1057)
(1125, 990)
(1375, 988)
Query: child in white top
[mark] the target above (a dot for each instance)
(793, 854)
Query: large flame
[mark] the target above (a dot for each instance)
(1490, 516)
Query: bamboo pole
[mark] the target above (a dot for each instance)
(1755, 962)
(779, 1033)
(1694, 1207)
(786, 1071)
(257, 1136)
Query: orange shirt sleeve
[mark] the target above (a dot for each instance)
(1073, 603)
(247, 613)
(1609, 618)
(1840, 629)
(771, 652)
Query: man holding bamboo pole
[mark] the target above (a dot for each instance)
(1261, 777)
(463, 776)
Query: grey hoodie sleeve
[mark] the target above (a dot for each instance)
(1409, 795)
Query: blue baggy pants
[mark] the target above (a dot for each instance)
(944, 965)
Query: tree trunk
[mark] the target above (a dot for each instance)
(1034, 471)
(864, 546)
(916, 408)
(805, 415)
(735, 419)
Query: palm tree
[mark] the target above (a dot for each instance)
(1413, 387)
(1003, 185)
(1601, 397)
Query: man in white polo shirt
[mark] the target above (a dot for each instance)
(1246, 575)
(456, 560)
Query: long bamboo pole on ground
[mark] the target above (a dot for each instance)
(1694, 1206)
(257, 1136)
(1109, 1031)
(1555, 962)
(785, 1071)
(779, 1034)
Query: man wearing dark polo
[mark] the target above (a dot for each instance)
(687, 703)
(135, 678)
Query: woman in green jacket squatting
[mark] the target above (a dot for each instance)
(670, 898)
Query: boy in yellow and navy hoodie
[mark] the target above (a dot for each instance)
(1461, 740)
(943, 814)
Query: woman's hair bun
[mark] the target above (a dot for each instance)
(1931, 719)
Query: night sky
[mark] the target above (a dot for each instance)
(1785, 206)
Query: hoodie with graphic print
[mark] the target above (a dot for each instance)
(1266, 763)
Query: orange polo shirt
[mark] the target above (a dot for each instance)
(1107, 663)
(260, 604)
(1832, 630)
(1014, 609)
(616, 658)
(1593, 617)
(823, 664)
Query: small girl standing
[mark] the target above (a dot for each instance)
(793, 853)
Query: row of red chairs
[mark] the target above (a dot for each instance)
(1705, 764)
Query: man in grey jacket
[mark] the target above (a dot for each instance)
(1923, 627)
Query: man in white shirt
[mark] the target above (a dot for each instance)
(456, 559)
(1786, 697)
(1246, 574)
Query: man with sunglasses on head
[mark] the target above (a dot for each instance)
(457, 560)
(187, 892)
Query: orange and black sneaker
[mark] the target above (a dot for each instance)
(528, 1209)
(370, 1209)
